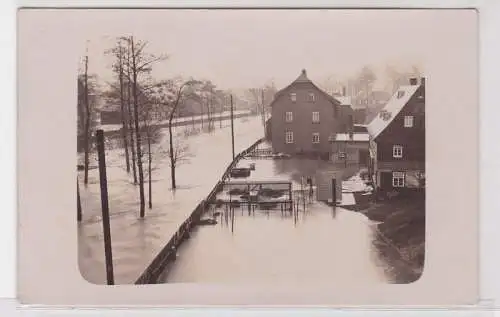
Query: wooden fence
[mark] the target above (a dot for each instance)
(169, 252)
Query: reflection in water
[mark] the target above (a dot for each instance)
(267, 247)
(321, 245)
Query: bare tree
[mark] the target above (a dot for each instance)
(178, 152)
(170, 95)
(254, 95)
(87, 103)
(150, 116)
(366, 79)
(118, 68)
(207, 96)
(86, 136)
(131, 118)
(140, 64)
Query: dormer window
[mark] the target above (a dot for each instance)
(400, 94)
(293, 97)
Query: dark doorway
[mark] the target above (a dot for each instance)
(385, 181)
(364, 156)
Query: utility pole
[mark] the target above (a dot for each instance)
(105, 207)
(78, 202)
(263, 111)
(87, 120)
(232, 125)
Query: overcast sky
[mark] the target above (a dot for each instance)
(247, 48)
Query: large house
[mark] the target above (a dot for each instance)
(305, 119)
(397, 140)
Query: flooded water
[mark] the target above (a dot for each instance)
(135, 241)
(320, 245)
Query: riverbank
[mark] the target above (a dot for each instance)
(400, 236)
(399, 230)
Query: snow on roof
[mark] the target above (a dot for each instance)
(344, 101)
(360, 137)
(391, 109)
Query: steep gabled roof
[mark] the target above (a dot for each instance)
(391, 110)
(303, 79)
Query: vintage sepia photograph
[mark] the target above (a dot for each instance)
(253, 147)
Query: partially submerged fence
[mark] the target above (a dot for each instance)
(169, 252)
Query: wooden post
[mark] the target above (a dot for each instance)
(334, 192)
(303, 193)
(232, 126)
(263, 112)
(232, 220)
(105, 207)
(78, 202)
(290, 195)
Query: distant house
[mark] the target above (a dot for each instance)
(397, 140)
(372, 99)
(351, 148)
(305, 119)
(366, 106)
(110, 114)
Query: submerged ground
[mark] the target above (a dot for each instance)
(320, 245)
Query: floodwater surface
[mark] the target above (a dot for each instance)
(321, 245)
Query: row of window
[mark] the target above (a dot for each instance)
(410, 179)
(311, 97)
(289, 137)
(289, 116)
(398, 179)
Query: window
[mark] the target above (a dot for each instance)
(408, 121)
(289, 137)
(397, 151)
(315, 138)
(289, 116)
(311, 97)
(400, 94)
(293, 96)
(398, 179)
(315, 117)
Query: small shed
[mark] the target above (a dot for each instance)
(324, 185)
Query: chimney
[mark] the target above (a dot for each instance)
(304, 72)
(413, 81)
(422, 87)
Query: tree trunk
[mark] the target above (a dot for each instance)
(122, 109)
(220, 114)
(172, 154)
(150, 158)
(87, 123)
(131, 118)
(201, 115)
(137, 132)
